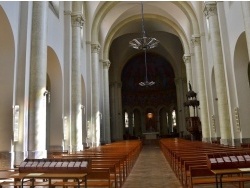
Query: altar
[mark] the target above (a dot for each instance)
(151, 135)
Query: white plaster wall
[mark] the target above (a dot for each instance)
(7, 57)
(12, 10)
(55, 36)
(241, 62)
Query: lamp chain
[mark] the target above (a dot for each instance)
(142, 22)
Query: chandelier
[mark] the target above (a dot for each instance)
(144, 43)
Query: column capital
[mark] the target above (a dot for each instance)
(95, 48)
(77, 19)
(196, 40)
(210, 9)
(106, 64)
(186, 58)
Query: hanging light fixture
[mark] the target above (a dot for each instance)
(146, 82)
(144, 43)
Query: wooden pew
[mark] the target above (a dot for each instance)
(98, 177)
(32, 170)
(187, 166)
(118, 157)
(115, 164)
(202, 175)
(183, 153)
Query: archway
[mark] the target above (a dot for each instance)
(7, 63)
(151, 120)
(162, 93)
(55, 124)
(241, 63)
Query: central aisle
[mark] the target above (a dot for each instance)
(151, 170)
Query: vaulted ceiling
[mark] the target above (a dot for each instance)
(172, 23)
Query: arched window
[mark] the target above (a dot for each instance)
(173, 118)
(126, 119)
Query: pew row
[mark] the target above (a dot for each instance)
(182, 155)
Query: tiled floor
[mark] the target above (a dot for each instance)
(152, 170)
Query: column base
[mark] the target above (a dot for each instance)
(19, 156)
(215, 140)
(95, 144)
(37, 154)
(227, 142)
(245, 140)
(56, 148)
(76, 148)
(237, 141)
(207, 140)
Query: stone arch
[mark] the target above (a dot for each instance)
(241, 63)
(184, 6)
(161, 19)
(54, 72)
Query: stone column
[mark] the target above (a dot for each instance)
(76, 110)
(180, 107)
(187, 61)
(130, 123)
(112, 111)
(219, 73)
(202, 96)
(119, 108)
(106, 65)
(170, 120)
(37, 86)
(116, 111)
(164, 123)
(88, 88)
(67, 76)
(137, 129)
(95, 49)
(246, 15)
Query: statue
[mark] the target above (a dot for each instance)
(190, 87)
